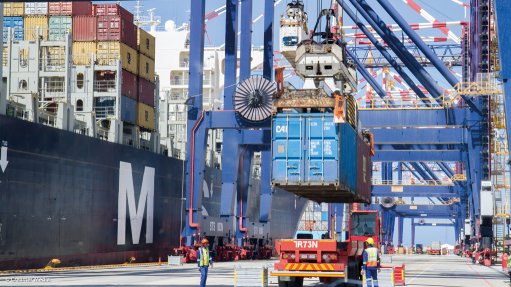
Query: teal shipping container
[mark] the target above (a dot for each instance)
(59, 27)
(320, 160)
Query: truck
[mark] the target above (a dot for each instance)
(327, 259)
(419, 249)
(436, 248)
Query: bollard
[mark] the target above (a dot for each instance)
(399, 275)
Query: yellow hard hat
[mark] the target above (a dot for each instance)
(370, 241)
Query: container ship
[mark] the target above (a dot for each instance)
(92, 158)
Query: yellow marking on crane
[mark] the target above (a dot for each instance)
(302, 266)
(330, 267)
(309, 267)
(288, 266)
(322, 266)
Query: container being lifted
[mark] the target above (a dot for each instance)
(319, 151)
(320, 160)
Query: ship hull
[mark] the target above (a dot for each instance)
(87, 201)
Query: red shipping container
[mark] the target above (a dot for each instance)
(112, 10)
(129, 86)
(114, 28)
(146, 91)
(84, 28)
(70, 8)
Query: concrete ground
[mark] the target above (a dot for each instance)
(421, 270)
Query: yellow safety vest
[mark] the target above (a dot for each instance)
(372, 257)
(203, 256)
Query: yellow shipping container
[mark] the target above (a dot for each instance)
(109, 52)
(146, 67)
(36, 25)
(146, 43)
(145, 116)
(83, 52)
(14, 8)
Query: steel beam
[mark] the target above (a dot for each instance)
(397, 46)
(381, 49)
(400, 224)
(415, 191)
(269, 11)
(413, 118)
(439, 65)
(245, 162)
(415, 155)
(266, 189)
(231, 138)
(245, 39)
(503, 22)
(420, 136)
(369, 78)
(409, 210)
(450, 54)
(434, 224)
(195, 131)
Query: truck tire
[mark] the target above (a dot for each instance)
(353, 272)
(298, 282)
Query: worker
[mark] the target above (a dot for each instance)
(204, 261)
(371, 263)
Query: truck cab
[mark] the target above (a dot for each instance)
(328, 259)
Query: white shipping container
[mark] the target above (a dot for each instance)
(487, 199)
(36, 8)
(468, 227)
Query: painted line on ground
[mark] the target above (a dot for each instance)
(480, 276)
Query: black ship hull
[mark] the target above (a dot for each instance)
(87, 201)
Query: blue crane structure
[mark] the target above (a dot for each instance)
(435, 135)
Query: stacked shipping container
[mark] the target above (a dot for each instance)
(146, 78)
(104, 33)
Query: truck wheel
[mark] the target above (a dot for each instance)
(353, 273)
(297, 283)
(283, 283)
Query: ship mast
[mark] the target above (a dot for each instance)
(152, 21)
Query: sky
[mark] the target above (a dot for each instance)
(443, 10)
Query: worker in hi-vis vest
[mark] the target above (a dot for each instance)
(371, 263)
(204, 261)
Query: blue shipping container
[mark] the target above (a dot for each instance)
(128, 110)
(59, 27)
(15, 22)
(324, 216)
(316, 158)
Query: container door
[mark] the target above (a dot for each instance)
(287, 149)
(321, 153)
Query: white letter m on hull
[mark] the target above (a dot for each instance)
(136, 214)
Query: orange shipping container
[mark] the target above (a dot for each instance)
(14, 8)
(146, 43)
(35, 25)
(146, 68)
(108, 53)
(145, 116)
